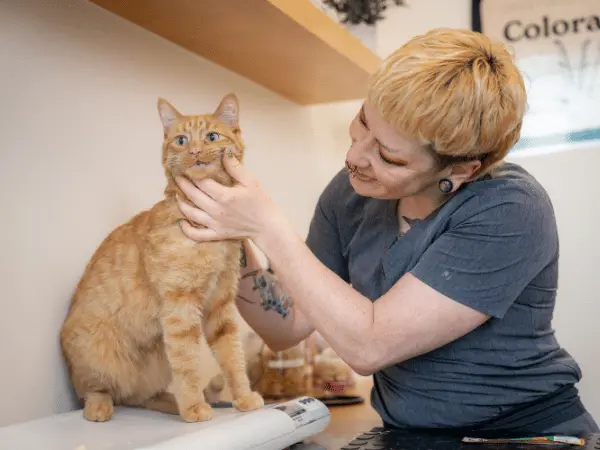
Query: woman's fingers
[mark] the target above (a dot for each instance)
(196, 195)
(227, 212)
(234, 168)
(199, 234)
(213, 189)
(194, 214)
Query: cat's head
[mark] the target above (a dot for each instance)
(193, 145)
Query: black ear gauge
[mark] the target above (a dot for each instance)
(445, 185)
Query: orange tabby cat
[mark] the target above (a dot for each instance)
(149, 294)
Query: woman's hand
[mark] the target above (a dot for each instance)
(241, 211)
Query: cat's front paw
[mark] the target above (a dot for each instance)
(199, 412)
(248, 402)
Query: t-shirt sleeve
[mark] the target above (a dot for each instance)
(487, 260)
(324, 238)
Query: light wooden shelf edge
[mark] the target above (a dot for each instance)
(287, 46)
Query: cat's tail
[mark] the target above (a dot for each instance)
(213, 390)
(164, 402)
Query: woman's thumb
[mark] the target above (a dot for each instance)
(233, 166)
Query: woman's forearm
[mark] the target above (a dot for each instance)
(342, 315)
(268, 310)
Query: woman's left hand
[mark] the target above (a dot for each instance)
(237, 212)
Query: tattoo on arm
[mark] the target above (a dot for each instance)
(243, 258)
(272, 296)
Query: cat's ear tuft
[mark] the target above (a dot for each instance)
(168, 114)
(229, 110)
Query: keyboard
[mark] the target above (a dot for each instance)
(380, 439)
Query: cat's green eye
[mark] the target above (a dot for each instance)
(181, 140)
(212, 136)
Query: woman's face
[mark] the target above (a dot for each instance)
(388, 164)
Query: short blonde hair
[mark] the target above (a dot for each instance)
(455, 91)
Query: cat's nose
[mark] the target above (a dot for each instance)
(194, 150)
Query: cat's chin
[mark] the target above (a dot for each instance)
(214, 171)
(209, 170)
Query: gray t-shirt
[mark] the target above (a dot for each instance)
(492, 247)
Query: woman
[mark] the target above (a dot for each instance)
(430, 263)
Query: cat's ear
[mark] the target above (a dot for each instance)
(228, 110)
(168, 114)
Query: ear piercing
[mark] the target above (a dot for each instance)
(445, 185)
(350, 167)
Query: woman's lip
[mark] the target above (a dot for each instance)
(362, 177)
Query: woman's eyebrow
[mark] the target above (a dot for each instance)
(362, 116)
(389, 149)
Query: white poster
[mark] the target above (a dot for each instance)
(556, 44)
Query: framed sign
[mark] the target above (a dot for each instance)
(556, 44)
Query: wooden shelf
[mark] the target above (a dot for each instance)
(289, 46)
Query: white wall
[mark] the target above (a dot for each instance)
(81, 144)
(573, 184)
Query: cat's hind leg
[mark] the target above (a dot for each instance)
(98, 407)
(96, 395)
(98, 401)
(109, 370)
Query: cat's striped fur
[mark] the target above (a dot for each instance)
(149, 294)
